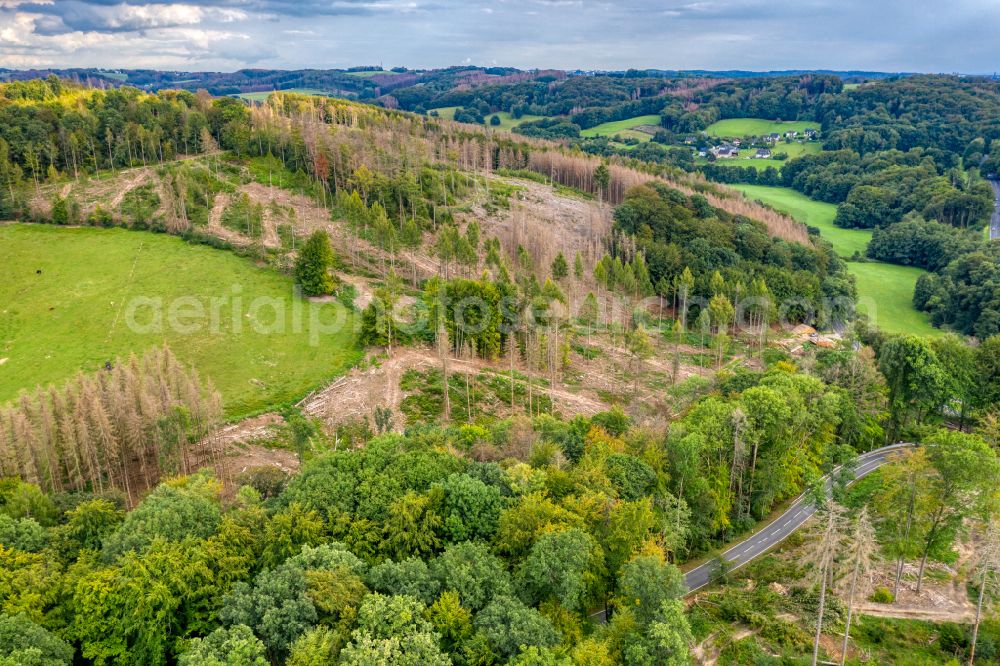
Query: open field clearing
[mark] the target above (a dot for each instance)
(262, 96)
(796, 149)
(65, 309)
(811, 212)
(446, 112)
(625, 128)
(508, 122)
(889, 286)
(740, 127)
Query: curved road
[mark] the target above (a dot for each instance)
(775, 532)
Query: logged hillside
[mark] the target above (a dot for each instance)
(86, 131)
(408, 198)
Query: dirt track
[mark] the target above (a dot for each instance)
(356, 394)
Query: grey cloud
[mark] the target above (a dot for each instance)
(76, 15)
(589, 34)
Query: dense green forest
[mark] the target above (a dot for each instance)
(48, 127)
(731, 256)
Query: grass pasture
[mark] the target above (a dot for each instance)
(65, 308)
(740, 127)
(446, 112)
(625, 128)
(262, 96)
(811, 212)
(885, 291)
(795, 149)
(121, 77)
(508, 122)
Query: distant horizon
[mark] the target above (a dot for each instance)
(408, 68)
(761, 35)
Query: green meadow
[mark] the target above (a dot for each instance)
(623, 127)
(117, 76)
(262, 96)
(740, 127)
(74, 298)
(508, 122)
(813, 213)
(885, 291)
(447, 112)
(795, 149)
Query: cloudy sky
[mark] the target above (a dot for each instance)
(885, 35)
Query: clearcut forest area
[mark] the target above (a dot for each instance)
(607, 388)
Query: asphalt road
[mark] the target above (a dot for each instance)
(995, 223)
(771, 535)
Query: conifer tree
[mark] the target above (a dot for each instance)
(560, 269)
(602, 178)
(312, 266)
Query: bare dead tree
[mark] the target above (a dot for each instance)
(122, 428)
(863, 548)
(822, 554)
(987, 566)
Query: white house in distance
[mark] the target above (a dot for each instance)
(725, 152)
(763, 154)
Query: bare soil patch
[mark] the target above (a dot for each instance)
(219, 205)
(356, 395)
(942, 598)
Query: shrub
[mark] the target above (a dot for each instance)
(615, 422)
(882, 596)
(267, 480)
